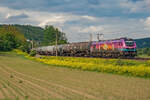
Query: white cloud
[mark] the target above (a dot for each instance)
(90, 18)
(78, 27)
(7, 16)
(139, 6)
(58, 19)
(53, 20)
(92, 29)
(147, 23)
(43, 18)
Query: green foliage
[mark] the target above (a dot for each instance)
(148, 53)
(39, 35)
(120, 62)
(25, 47)
(30, 32)
(32, 53)
(34, 33)
(50, 34)
(8, 42)
(10, 38)
(9, 29)
(144, 51)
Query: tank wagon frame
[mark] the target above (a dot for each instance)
(123, 47)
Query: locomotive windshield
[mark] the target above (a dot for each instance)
(129, 43)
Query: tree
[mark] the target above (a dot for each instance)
(26, 47)
(10, 29)
(8, 42)
(148, 52)
(50, 36)
(10, 38)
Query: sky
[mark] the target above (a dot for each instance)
(80, 18)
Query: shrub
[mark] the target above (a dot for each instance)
(32, 53)
(25, 47)
(148, 52)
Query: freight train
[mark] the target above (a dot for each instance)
(122, 47)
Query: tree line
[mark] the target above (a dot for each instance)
(11, 37)
(144, 51)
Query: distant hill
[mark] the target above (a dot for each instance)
(143, 43)
(30, 32)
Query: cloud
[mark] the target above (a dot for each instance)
(136, 6)
(55, 18)
(147, 23)
(19, 16)
(92, 29)
(96, 8)
(90, 18)
(114, 18)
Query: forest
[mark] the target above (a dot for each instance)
(22, 37)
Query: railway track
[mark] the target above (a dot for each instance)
(136, 58)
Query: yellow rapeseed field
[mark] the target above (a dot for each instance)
(117, 66)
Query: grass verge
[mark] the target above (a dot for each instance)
(115, 66)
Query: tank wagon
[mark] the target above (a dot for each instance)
(122, 47)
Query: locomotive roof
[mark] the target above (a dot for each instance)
(124, 38)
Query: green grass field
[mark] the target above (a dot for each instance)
(23, 79)
(144, 56)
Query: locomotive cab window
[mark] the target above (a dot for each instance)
(129, 43)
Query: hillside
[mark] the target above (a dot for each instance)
(143, 43)
(30, 32)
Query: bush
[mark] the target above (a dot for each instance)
(33, 53)
(148, 52)
(25, 47)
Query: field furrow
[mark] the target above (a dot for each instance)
(16, 86)
(12, 92)
(5, 91)
(22, 79)
(2, 94)
(73, 91)
(25, 89)
(34, 86)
